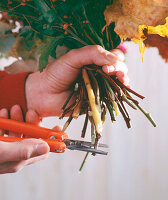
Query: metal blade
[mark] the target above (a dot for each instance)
(84, 143)
(70, 142)
(90, 150)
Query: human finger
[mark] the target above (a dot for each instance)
(91, 54)
(16, 166)
(3, 114)
(118, 66)
(119, 69)
(119, 53)
(36, 159)
(58, 128)
(24, 150)
(123, 78)
(71, 63)
(32, 117)
(16, 114)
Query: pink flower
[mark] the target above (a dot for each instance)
(122, 48)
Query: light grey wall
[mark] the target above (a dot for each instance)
(136, 167)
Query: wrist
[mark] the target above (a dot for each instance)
(33, 91)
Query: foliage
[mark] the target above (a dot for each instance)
(70, 23)
(132, 16)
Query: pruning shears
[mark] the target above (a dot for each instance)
(58, 141)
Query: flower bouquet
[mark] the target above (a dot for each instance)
(47, 25)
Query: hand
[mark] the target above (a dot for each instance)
(14, 156)
(46, 92)
(16, 114)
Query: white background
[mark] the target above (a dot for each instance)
(136, 167)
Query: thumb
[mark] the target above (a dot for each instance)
(92, 54)
(65, 69)
(24, 150)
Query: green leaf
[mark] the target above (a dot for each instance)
(47, 13)
(42, 6)
(25, 31)
(50, 16)
(46, 51)
(6, 43)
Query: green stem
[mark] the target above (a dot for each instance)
(127, 101)
(109, 88)
(67, 100)
(92, 29)
(67, 123)
(126, 118)
(146, 114)
(85, 125)
(142, 110)
(110, 109)
(84, 160)
(75, 37)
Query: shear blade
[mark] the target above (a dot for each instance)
(79, 143)
(88, 150)
(92, 145)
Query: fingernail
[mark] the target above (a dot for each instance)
(110, 69)
(111, 58)
(3, 112)
(42, 149)
(119, 54)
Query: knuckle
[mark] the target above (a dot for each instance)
(72, 52)
(25, 154)
(119, 53)
(97, 48)
(96, 51)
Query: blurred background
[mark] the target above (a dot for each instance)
(136, 167)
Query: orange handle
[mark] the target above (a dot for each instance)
(55, 145)
(30, 129)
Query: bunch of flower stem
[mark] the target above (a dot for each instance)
(96, 93)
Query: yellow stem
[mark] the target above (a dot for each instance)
(117, 112)
(95, 113)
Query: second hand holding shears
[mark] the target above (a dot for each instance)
(58, 141)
